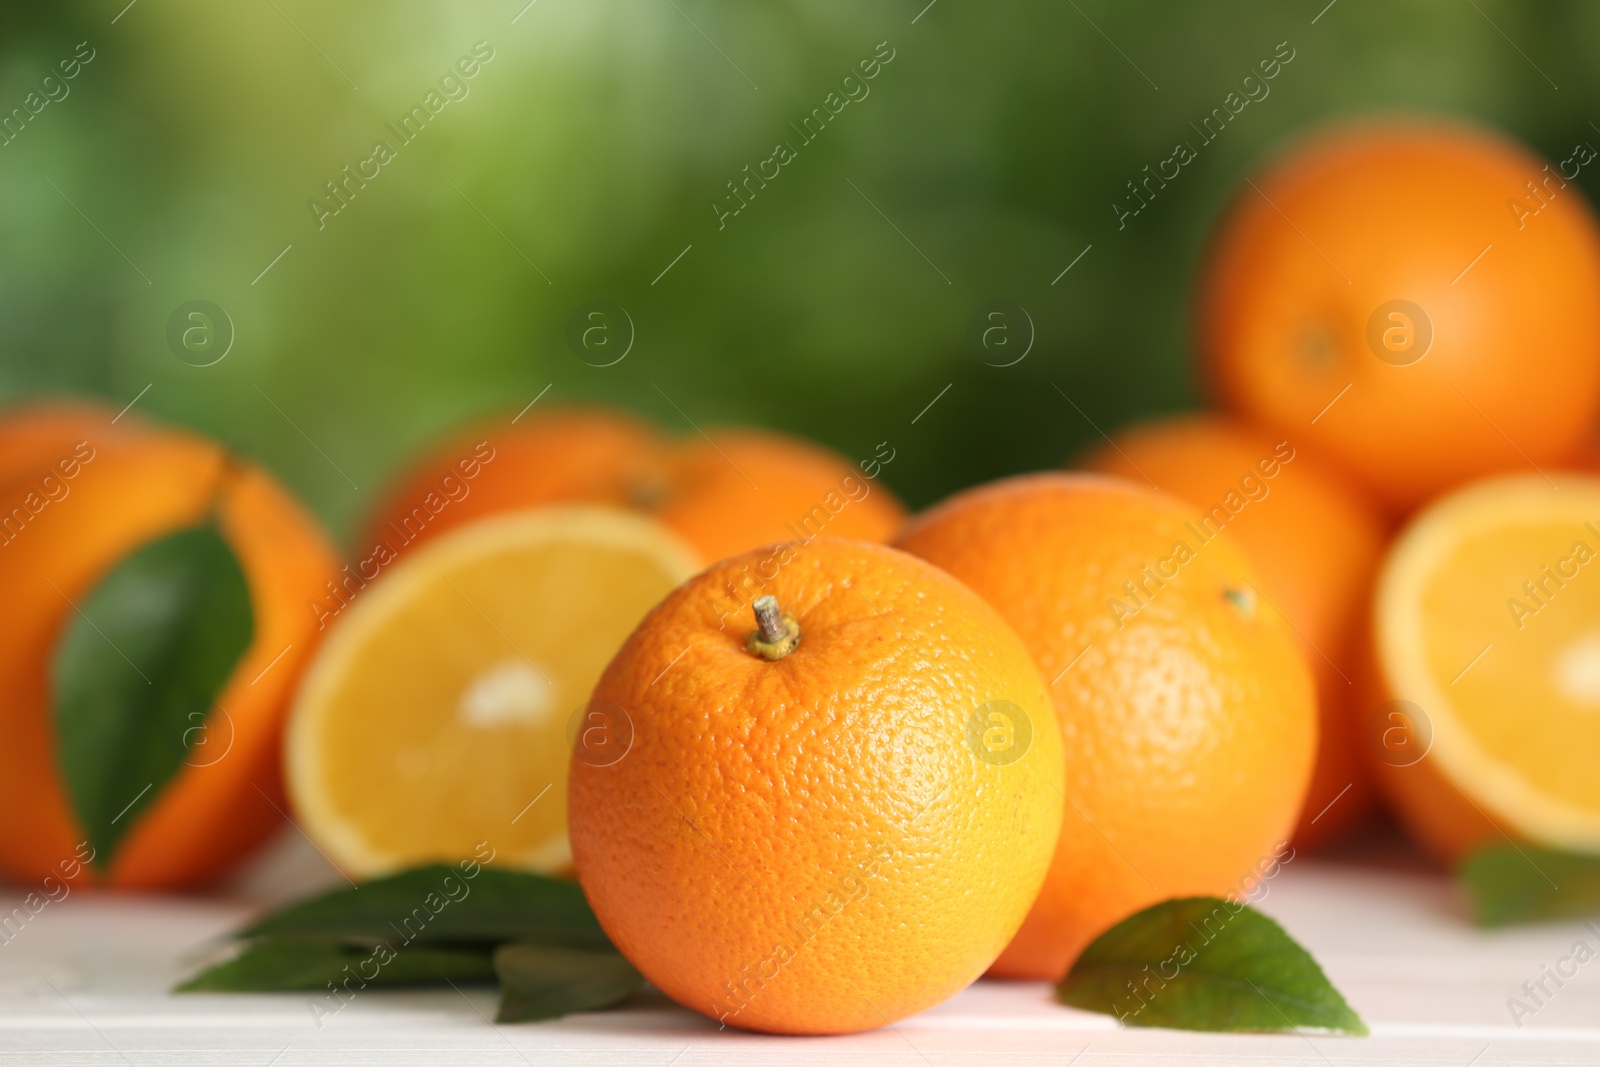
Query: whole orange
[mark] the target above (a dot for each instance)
(739, 489)
(1400, 296)
(1187, 713)
(83, 496)
(723, 492)
(590, 455)
(835, 805)
(1313, 540)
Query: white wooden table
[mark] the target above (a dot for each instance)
(85, 983)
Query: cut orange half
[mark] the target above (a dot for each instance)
(434, 723)
(1488, 637)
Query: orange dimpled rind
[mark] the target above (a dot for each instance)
(831, 840)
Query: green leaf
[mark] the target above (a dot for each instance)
(544, 982)
(433, 925)
(137, 672)
(1508, 884)
(442, 903)
(278, 964)
(1202, 963)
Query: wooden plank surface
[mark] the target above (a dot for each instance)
(84, 982)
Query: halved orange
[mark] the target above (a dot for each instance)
(435, 722)
(1487, 635)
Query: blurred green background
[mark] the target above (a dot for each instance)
(588, 153)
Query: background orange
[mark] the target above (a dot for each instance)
(1314, 543)
(1496, 257)
(142, 483)
(1187, 714)
(724, 492)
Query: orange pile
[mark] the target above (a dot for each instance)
(852, 780)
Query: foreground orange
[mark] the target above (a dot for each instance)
(1315, 543)
(1402, 297)
(102, 492)
(839, 800)
(1186, 710)
(724, 492)
(1487, 635)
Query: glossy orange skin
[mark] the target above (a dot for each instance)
(838, 778)
(1400, 210)
(1315, 542)
(142, 483)
(723, 493)
(1189, 727)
